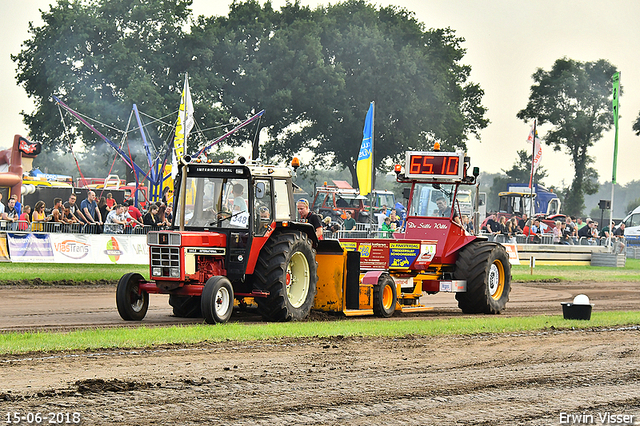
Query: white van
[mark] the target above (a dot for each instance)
(632, 227)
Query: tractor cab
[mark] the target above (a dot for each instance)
(234, 206)
(434, 211)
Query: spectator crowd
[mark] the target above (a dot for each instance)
(91, 216)
(565, 231)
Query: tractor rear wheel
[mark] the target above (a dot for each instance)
(486, 268)
(132, 306)
(185, 306)
(384, 297)
(287, 269)
(217, 300)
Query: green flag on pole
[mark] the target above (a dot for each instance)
(616, 95)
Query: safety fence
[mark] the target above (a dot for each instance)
(22, 226)
(548, 239)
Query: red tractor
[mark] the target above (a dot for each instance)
(236, 242)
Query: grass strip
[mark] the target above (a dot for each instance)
(67, 271)
(630, 272)
(143, 337)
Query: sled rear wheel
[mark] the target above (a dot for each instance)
(486, 268)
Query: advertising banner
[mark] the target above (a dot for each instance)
(71, 248)
(512, 249)
(30, 248)
(102, 248)
(4, 252)
(122, 249)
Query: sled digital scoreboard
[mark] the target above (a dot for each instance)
(446, 166)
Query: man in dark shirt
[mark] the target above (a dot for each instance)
(308, 216)
(523, 221)
(11, 215)
(349, 223)
(74, 209)
(90, 209)
(587, 232)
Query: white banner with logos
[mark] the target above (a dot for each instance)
(100, 248)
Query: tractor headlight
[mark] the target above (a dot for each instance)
(175, 272)
(156, 272)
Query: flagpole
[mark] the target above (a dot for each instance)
(373, 168)
(616, 108)
(184, 114)
(531, 182)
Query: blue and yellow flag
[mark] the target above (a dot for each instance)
(364, 165)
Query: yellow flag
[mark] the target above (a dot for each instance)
(185, 121)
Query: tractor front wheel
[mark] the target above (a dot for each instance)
(132, 304)
(486, 268)
(384, 297)
(217, 300)
(287, 269)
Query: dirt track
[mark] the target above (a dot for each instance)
(525, 379)
(26, 308)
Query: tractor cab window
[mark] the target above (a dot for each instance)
(263, 210)
(432, 200)
(319, 202)
(214, 203)
(385, 200)
(348, 200)
(514, 203)
(281, 197)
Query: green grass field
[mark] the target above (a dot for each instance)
(143, 337)
(48, 272)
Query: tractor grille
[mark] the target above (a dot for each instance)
(165, 260)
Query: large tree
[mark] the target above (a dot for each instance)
(100, 57)
(575, 98)
(313, 71)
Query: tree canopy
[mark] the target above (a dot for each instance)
(574, 97)
(313, 71)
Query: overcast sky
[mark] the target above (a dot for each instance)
(506, 41)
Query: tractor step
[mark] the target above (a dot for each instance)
(357, 312)
(408, 309)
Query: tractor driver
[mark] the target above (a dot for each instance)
(443, 208)
(308, 216)
(238, 202)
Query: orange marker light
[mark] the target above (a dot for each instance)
(295, 163)
(436, 146)
(398, 168)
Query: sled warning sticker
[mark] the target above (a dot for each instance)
(427, 252)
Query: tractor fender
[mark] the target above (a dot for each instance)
(372, 277)
(307, 228)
